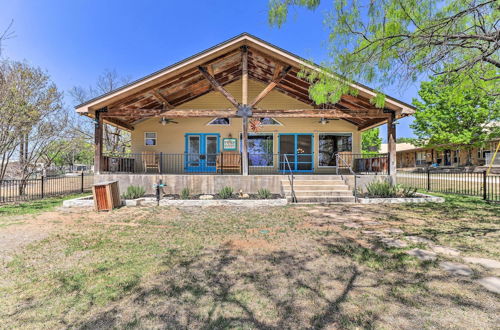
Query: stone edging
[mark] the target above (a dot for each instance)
(422, 199)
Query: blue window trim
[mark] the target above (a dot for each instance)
(203, 138)
(296, 162)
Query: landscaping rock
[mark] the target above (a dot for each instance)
(455, 268)
(206, 197)
(245, 196)
(352, 225)
(490, 283)
(445, 250)
(486, 263)
(422, 254)
(396, 243)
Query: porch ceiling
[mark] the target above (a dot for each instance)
(161, 96)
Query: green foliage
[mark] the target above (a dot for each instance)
(455, 112)
(264, 193)
(405, 140)
(385, 189)
(371, 141)
(389, 41)
(134, 192)
(185, 193)
(226, 192)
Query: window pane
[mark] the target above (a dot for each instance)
(268, 121)
(219, 121)
(327, 149)
(150, 142)
(260, 149)
(150, 135)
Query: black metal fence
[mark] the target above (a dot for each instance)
(32, 189)
(463, 183)
(231, 163)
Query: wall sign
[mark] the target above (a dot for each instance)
(229, 144)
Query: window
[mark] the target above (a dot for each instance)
(269, 121)
(219, 121)
(260, 149)
(421, 158)
(331, 143)
(456, 157)
(150, 138)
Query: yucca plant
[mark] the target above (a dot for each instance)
(134, 192)
(185, 193)
(226, 192)
(264, 193)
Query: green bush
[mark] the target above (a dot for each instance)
(134, 192)
(226, 192)
(185, 193)
(264, 193)
(385, 189)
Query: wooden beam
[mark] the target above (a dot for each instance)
(277, 77)
(244, 100)
(159, 96)
(218, 87)
(117, 122)
(98, 134)
(391, 145)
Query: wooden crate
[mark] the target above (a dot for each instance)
(106, 195)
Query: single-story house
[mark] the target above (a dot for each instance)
(239, 113)
(410, 156)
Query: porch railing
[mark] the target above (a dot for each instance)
(230, 163)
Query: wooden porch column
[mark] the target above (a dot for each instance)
(244, 101)
(391, 141)
(98, 142)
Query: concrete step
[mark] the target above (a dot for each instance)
(311, 182)
(324, 187)
(317, 177)
(323, 199)
(326, 193)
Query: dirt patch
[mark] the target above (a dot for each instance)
(249, 244)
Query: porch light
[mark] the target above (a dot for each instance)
(163, 121)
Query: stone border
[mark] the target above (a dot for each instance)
(422, 199)
(224, 202)
(151, 201)
(79, 202)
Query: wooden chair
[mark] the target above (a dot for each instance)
(150, 160)
(228, 161)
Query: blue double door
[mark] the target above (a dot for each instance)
(201, 152)
(299, 151)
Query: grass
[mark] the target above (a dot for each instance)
(250, 268)
(35, 207)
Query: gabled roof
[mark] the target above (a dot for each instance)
(182, 82)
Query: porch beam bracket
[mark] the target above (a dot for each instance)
(276, 80)
(218, 87)
(159, 96)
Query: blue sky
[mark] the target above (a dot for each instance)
(77, 40)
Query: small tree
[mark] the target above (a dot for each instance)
(115, 139)
(456, 112)
(371, 141)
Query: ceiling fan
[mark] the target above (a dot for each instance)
(324, 121)
(164, 121)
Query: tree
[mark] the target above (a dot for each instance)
(388, 41)
(6, 34)
(115, 140)
(31, 116)
(448, 116)
(405, 140)
(370, 141)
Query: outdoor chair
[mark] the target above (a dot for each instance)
(228, 161)
(150, 160)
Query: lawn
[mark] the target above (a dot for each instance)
(285, 267)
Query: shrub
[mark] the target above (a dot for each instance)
(264, 193)
(384, 189)
(226, 192)
(185, 193)
(134, 192)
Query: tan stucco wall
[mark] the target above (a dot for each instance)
(171, 137)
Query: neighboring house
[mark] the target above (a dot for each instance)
(410, 156)
(191, 118)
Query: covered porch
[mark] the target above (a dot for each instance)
(247, 83)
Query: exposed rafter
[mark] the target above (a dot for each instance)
(218, 87)
(277, 77)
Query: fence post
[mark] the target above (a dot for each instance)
(485, 197)
(43, 186)
(428, 179)
(82, 181)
